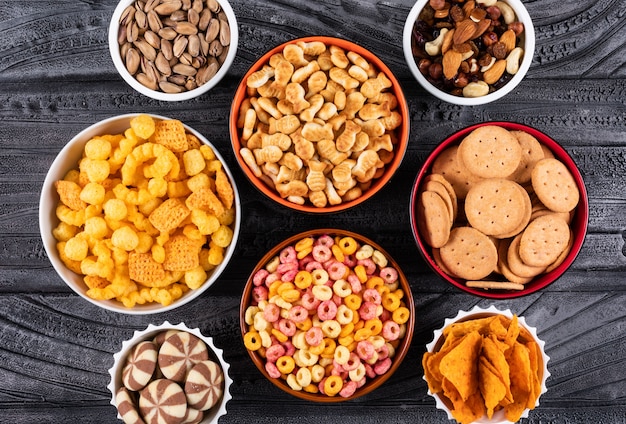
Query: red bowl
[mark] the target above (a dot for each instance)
(578, 224)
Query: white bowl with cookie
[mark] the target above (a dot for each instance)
(170, 373)
(469, 52)
(125, 214)
(499, 210)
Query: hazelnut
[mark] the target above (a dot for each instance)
(461, 80)
(435, 70)
(437, 4)
(423, 65)
(490, 38)
(494, 13)
(517, 27)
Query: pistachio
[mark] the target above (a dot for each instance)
(167, 7)
(224, 33)
(132, 60)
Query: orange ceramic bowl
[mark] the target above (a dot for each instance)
(265, 181)
(578, 224)
(390, 341)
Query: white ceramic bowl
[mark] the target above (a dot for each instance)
(215, 354)
(478, 312)
(66, 160)
(114, 49)
(527, 43)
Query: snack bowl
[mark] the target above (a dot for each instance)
(301, 325)
(276, 177)
(462, 87)
(151, 69)
(66, 163)
(445, 163)
(138, 365)
(512, 354)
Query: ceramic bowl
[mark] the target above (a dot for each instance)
(66, 160)
(390, 352)
(413, 54)
(266, 182)
(578, 222)
(156, 92)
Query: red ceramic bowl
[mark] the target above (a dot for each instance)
(578, 223)
(401, 133)
(398, 347)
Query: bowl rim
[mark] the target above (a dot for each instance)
(378, 184)
(115, 372)
(529, 50)
(401, 350)
(114, 51)
(579, 223)
(73, 149)
(480, 312)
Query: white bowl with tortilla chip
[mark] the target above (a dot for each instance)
(474, 338)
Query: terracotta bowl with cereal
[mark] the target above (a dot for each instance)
(139, 214)
(469, 52)
(170, 373)
(499, 210)
(486, 366)
(170, 52)
(327, 315)
(319, 124)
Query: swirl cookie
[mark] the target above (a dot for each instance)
(179, 353)
(126, 407)
(140, 366)
(163, 402)
(204, 385)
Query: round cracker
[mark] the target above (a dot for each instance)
(497, 285)
(449, 188)
(531, 154)
(543, 240)
(555, 185)
(469, 254)
(525, 220)
(496, 206)
(437, 187)
(517, 265)
(490, 151)
(459, 176)
(433, 220)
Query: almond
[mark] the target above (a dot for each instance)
(493, 74)
(481, 27)
(508, 38)
(464, 31)
(447, 40)
(451, 63)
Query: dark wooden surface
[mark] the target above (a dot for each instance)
(56, 78)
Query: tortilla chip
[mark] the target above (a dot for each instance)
(512, 332)
(460, 365)
(464, 411)
(491, 386)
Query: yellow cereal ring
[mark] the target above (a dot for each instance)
(348, 245)
(311, 388)
(374, 282)
(362, 334)
(285, 364)
(346, 340)
(304, 253)
(399, 293)
(332, 385)
(304, 243)
(401, 315)
(347, 329)
(305, 325)
(375, 326)
(360, 272)
(390, 301)
(338, 253)
(291, 295)
(252, 341)
(317, 350)
(280, 336)
(353, 301)
(384, 289)
(329, 346)
(303, 279)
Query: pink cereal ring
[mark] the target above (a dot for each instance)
(271, 313)
(325, 240)
(352, 363)
(336, 270)
(274, 352)
(290, 349)
(383, 352)
(368, 264)
(365, 350)
(272, 370)
(391, 330)
(349, 261)
(289, 276)
(337, 299)
(338, 369)
(355, 283)
(389, 275)
(259, 277)
(286, 267)
(327, 310)
(369, 371)
(367, 310)
(348, 389)
(322, 253)
(383, 366)
(298, 314)
(259, 293)
(362, 382)
(287, 326)
(288, 254)
(309, 302)
(313, 265)
(274, 276)
(372, 295)
(314, 336)
(304, 261)
(385, 316)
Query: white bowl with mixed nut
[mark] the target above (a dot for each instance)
(173, 50)
(469, 52)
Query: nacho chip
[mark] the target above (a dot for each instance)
(491, 386)
(460, 365)
(464, 411)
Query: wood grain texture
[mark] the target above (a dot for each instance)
(56, 78)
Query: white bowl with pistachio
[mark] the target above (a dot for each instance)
(173, 50)
(469, 52)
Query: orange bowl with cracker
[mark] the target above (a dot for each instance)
(486, 366)
(139, 214)
(327, 315)
(499, 210)
(319, 124)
